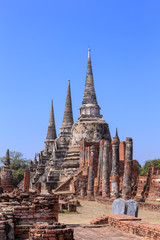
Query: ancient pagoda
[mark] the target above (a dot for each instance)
(60, 158)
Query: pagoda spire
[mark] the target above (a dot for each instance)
(89, 93)
(89, 104)
(51, 134)
(68, 115)
(35, 159)
(116, 136)
(116, 132)
(7, 159)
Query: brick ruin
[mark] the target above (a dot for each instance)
(6, 175)
(83, 160)
(86, 146)
(31, 215)
(130, 224)
(102, 172)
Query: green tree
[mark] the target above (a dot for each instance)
(18, 165)
(144, 169)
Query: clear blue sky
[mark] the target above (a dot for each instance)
(44, 43)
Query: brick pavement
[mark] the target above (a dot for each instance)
(103, 233)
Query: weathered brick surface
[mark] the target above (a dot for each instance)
(122, 148)
(103, 233)
(50, 232)
(6, 226)
(26, 181)
(22, 213)
(130, 224)
(43, 208)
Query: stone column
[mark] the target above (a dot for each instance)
(106, 170)
(26, 181)
(90, 189)
(100, 161)
(115, 169)
(128, 166)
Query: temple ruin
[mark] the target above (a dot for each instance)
(83, 162)
(84, 158)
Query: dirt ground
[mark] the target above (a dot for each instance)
(90, 210)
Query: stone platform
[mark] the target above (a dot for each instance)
(103, 233)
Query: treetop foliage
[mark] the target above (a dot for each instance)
(143, 170)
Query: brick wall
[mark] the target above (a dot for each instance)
(43, 209)
(50, 232)
(130, 224)
(22, 213)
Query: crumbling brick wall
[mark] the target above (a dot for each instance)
(24, 210)
(130, 224)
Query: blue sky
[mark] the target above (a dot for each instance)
(44, 43)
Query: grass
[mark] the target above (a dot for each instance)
(91, 210)
(88, 211)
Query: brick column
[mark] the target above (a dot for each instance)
(106, 170)
(100, 161)
(115, 169)
(128, 166)
(122, 147)
(26, 181)
(90, 189)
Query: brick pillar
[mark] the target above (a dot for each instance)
(100, 161)
(38, 187)
(26, 181)
(128, 166)
(115, 169)
(90, 189)
(106, 170)
(122, 147)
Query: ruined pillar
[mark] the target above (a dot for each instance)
(90, 189)
(6, 175)
(128, 166)
(100, 161)
(106, 170)
(122, 147)
(26, 181)
(115, 169)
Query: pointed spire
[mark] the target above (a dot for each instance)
(68, 115)
(51, 134)
(89, 93)
(116, 136)
(35, 159)
(7, 160)
(116, 132)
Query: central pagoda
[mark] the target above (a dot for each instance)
(60, 158)
(90, 127)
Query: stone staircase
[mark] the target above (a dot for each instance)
(72, 157)
(71, 162)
